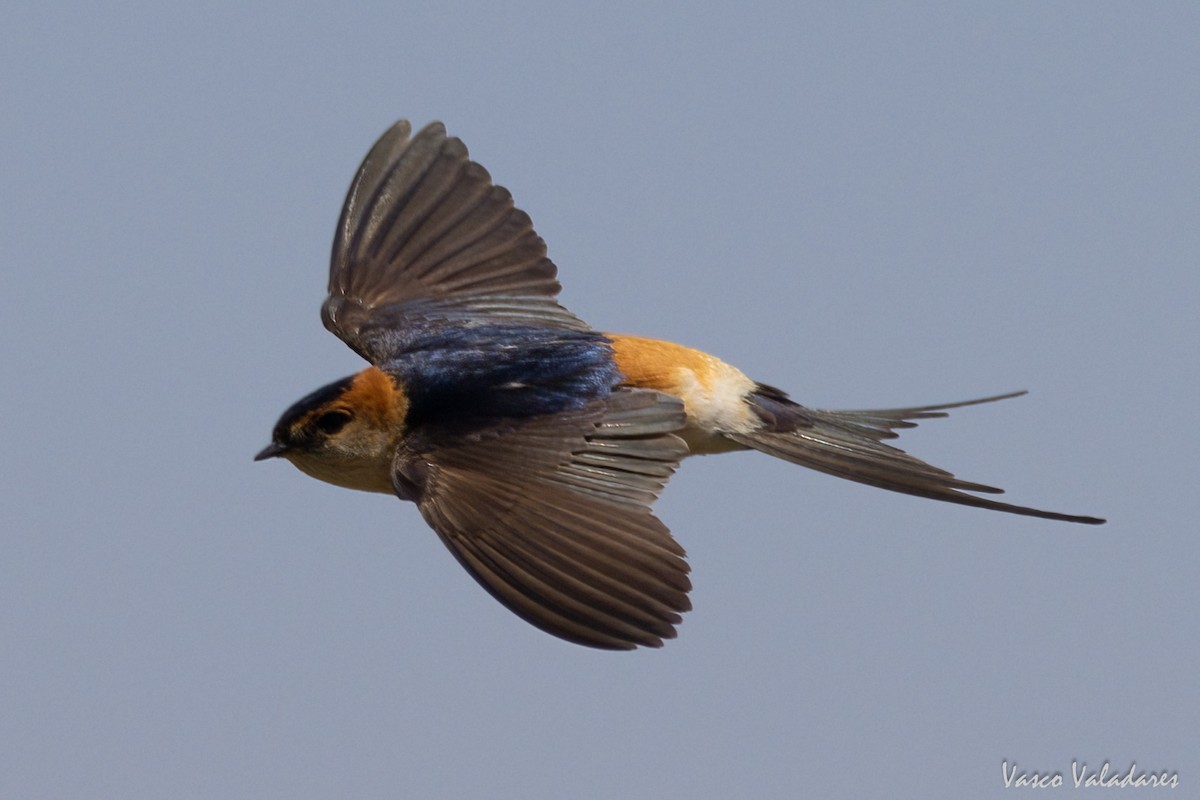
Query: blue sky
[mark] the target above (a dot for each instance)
(867, 205)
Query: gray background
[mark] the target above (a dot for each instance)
(868, 206)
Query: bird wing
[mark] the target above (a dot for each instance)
(552, 515)
(426, 239)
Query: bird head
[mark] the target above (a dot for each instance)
(344, 433)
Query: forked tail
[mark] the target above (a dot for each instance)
(850, 445)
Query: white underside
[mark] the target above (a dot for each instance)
(715, 407)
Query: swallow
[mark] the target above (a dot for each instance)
(534, 445)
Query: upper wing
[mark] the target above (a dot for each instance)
(552, 516)
(424, 238)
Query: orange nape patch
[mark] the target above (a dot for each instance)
(374, 395)
(655, 364)
(371, 395)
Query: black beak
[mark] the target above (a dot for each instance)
(272, 450)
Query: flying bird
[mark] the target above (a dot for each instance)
(533, 444)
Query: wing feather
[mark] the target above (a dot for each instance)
(425, 236)
(552, 516)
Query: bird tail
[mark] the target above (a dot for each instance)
(850, 445)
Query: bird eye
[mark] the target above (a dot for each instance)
(331, 422)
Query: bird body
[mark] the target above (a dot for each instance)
(713, 392)
(532, 444)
